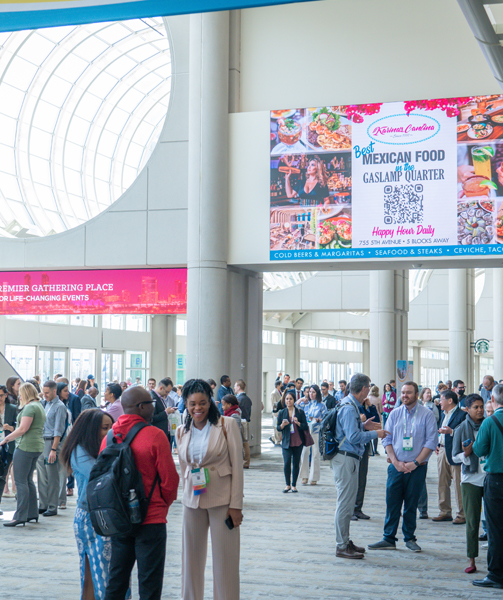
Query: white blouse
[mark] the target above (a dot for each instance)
(198, 444)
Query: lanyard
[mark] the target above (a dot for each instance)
(405, 423)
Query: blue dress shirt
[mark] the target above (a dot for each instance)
(350, 433)
(420, 422)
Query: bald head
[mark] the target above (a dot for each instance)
(93, 392)
(134, 396)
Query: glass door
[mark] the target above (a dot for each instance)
(51, 362)
(111, 368)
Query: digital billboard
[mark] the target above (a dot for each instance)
(96, 292)
(400, 179)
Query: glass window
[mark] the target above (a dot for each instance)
(303, 340)
(59, 360)
(323, 343)
(304, 370)
(23, 317)
(55, 319)
(79, 104)
(44, 364)
(266, 336)
(311, 341)
(113, 321)
(84, 320)
(181, 327)
(137, 367)
(354, 346)
(332, 344)
(136, 322)
(180, 369)
(82, 363)
(22, 358)
(312, 372)
(278, 338)
(280, 365)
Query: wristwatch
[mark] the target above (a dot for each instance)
(416, 463)
(55, 450)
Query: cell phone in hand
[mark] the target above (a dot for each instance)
(467, 443)
(229, 522)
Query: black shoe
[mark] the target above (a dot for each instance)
(483, 537)
(1, 512)
(487, 583)
(359, 515)
(424, 515)
(35, 519)
(50, 513)
(354, 518)
(13, 523)
(41, 511)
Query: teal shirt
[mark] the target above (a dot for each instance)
(489, 443)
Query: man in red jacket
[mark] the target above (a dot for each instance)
(152, 455)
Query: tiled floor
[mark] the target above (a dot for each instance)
(287, 552)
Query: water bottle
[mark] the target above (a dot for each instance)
(134, 508)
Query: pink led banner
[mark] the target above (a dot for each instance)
(128, 291)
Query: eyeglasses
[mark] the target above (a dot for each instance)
(145, 402)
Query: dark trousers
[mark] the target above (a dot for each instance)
(493, 501)
(3, 475)
(402, 488)
(362, 478)
(423, 500)
(148, 548)
(25, 464)
(292, 455)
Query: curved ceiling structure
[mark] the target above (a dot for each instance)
(81, 110)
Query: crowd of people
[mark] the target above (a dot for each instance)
(464, 431)
(60, 430)
(64, 433)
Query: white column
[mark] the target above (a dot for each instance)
(292, 353)
(498, 322)
(389, 305)
(208, 324)
(366, 357)
(461, 326)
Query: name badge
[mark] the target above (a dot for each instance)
(407, 443)
(292, 427)
(200, 479)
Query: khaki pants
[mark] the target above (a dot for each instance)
(312, 471)
(246, 454)
(276, 435)
(49, 478)
(446, 474)
(225, 544)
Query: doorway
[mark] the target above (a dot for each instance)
(111, 367)
(51, 361)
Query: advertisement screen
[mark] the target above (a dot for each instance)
(401, 179)
(127, 291)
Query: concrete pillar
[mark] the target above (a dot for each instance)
(417, 364)
(461, 325)
(389, 305)
(292, 352)
(366, 357)
(497, 323)
(163, 354)
(208, 323)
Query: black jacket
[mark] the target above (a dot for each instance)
(301, 417)
(457, 417)
(330, 401)
(10, 418)
(74, 406)
(245, 404)
(160, 418)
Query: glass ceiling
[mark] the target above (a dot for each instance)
(81, 110)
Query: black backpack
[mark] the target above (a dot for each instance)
(327, 442)
(113, 476)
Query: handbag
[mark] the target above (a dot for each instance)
(308, 438)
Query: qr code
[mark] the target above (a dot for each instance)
(403, 204)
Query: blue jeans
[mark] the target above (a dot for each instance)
(402, 489)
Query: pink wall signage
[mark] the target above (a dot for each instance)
(117, 291)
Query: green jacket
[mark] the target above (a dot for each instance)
(489, 443)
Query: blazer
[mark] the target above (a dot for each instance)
(10, 418)
(301, 417)
(224, 461)
(160, 418)
(457, 417)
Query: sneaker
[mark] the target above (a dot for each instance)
(1, 512)
(348, 552)
(483, 537)
(412, 545)
(485, 546)
(271, 439)
(382, 545)
(424, 515)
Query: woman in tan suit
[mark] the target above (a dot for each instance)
(211, 461)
